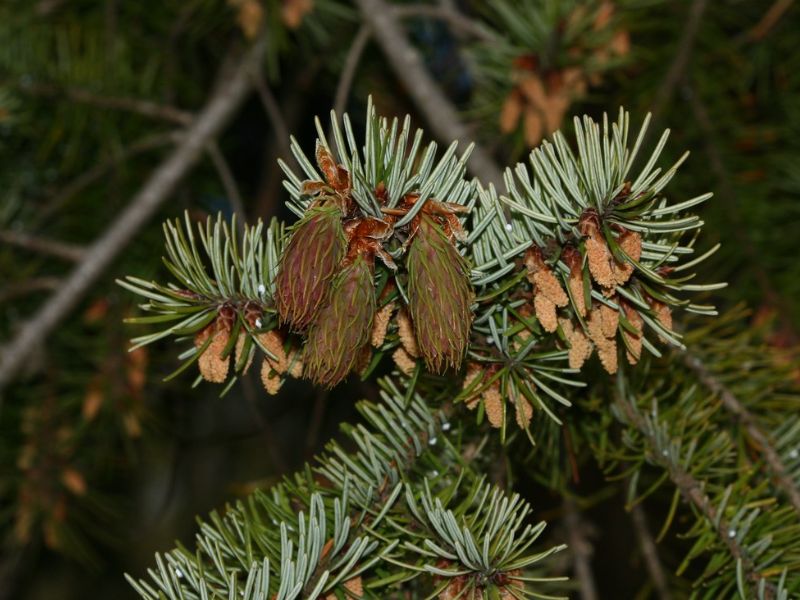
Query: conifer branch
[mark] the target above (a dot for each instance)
(440, 113)
(762, 441)
(209, 121)
(379, 505)
(693, 492)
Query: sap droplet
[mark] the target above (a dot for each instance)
(794, 453)
(508, 227)
(665, 452)
(261, 288)
(179, 573)
(258, 323)
(433, 441)
(446, 426)
(490, 340)
(731, 533)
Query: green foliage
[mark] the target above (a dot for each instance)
(379, 513)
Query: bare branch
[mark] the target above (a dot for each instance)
(771, 18)
(649, 552)
(228, 182)
(28, 286)
(273, 111)
(405, 60)
(222, 104)
(580, 548)
(461, 24)
(97, 172)
(145, 108)
(62, 250)
(773, 460)
(349, 69)
(678, 67)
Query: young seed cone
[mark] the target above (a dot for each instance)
(310, 260)
(439, 297)
(342, 326)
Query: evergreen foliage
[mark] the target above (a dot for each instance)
(528, 311)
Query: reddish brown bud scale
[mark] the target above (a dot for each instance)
(343, 326)
(310, 260)
(440, 296)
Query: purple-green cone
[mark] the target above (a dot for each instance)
(439, 297)
(342, 326)
(310, 260)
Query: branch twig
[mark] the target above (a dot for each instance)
(208, 123)
(693, 492)
(349, 69)
(649, 552)
(460, 23)
(228, 182)
(580, 548)
(27, 286)
(273, 111)
(678, 67)
(62, 250)
(779, 471)
(145, 108)
(83, 181)
(405, 60)
(768, 21)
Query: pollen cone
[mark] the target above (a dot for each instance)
(439, 297)
(343, 325)
(310, 260)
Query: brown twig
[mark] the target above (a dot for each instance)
(693, 492)
(441, 115)
(773, 460)
(27, 286)
(62, 250)
(223, 102)
(678, 67)
(349, 70)
(581, 549)
(97, 172)
(768, 21)
(274, 114)
(228, 182)
(649, 552)
(145, 108)
(461, 24)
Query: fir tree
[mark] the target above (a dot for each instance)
(508, 310)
